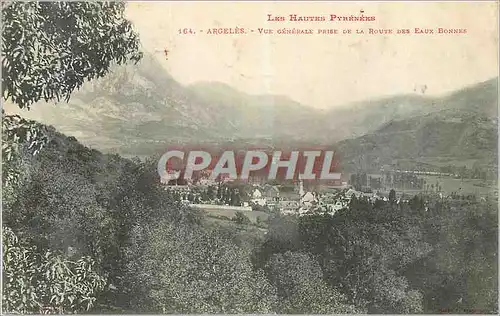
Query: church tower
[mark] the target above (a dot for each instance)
(301, 189)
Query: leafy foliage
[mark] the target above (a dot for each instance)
(460, 275)
(302, 288)
(50, 48)
(79, 202)
(17, 131)
(46, 283)
(161, 257)
(190, 270)
(241, 219)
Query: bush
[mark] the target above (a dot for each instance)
(46, 283)
(241, 219)
(188, 269)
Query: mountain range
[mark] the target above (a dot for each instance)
(141, 109)
(462, 129)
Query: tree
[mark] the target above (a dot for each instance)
(301, 289)
(196, 271)
(241, 219)
(33, 282)
(392, 195)
(235, 197)
(359, 252)
(49, 49)
(226, 195)
(219, 191)
(58, 209)
(209, 195)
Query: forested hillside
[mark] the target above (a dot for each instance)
(155, 255)
(454, 135)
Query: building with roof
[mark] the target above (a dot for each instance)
(258, 198)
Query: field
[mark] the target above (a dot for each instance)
(253, 215)
(449, 161)
(465, 186)
(251, 230)
(448, 185)
(451, 185)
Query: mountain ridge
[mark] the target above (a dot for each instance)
(141, 109)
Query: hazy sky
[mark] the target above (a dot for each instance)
(324, 70)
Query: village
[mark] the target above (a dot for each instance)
(259, 197)
(294, 198)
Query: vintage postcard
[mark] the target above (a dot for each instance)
(250, 157)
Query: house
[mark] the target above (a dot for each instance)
(271, 194)
(308, 200)
(288, 207)
(257, 198)
(379, 196)
(350, 192)
(339, 205)
(305, 211)
(308, 197)
(271, 191)
(256, 194)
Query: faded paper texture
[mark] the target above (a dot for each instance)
(95, 94)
